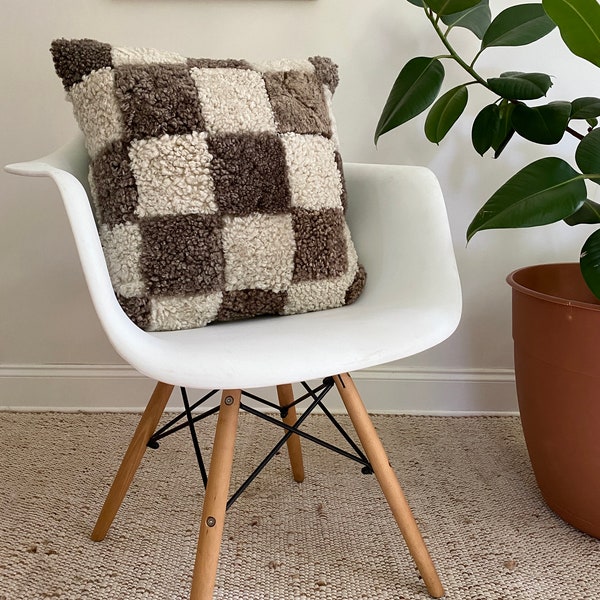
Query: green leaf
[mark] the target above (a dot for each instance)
(445, 112)
(517, 26)
(417, 2)
(477, 18)
(589, 262)
(485, 128)
(505, 130)
(542, 124)
(414, 90)
(545, 191)
(514, 85)
(449, 7)
(588, 213)
(592, 122)
(585, 108)
(587, 155)
(579, 25)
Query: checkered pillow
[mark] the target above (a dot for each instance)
(217, 184)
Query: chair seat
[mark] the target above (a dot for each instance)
(293, 348)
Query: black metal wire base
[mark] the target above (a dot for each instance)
(315, 395)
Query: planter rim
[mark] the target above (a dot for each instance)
(511, 280)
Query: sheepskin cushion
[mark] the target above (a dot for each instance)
(217, 184)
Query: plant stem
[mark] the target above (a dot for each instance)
(575, 133)
(453, 52)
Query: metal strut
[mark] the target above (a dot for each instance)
(316, 395)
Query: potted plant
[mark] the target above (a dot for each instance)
(556, 308)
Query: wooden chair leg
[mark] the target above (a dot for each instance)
(285, 393)
(389, 483)
(132, 459)
(215, 499)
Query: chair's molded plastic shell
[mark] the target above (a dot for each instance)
(412, 300)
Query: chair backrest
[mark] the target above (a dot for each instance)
(399, 225)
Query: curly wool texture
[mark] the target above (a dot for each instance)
(252, 261)
(217, 184)
(97, 110)
(172, 175)
(247, 107)
(122, 247)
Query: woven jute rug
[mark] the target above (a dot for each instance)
(468, 481)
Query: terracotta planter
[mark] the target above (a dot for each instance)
(556, 332)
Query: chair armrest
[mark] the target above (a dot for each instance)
(72, 158)
(68, 167)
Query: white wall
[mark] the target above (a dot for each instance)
(48, 332)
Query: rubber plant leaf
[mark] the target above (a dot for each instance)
(515, 85)
(544, 192)
(542, 124)
(505, 131)
(579, 25)
(414, 90)
(588, 213)
(589, 262)
(477, 18)
(445, 112)
(417, 2)
(587, 155)
(517, 26)
(486, 126)
(449, 7)
(585, 108)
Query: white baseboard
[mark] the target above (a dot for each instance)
(387, 389)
